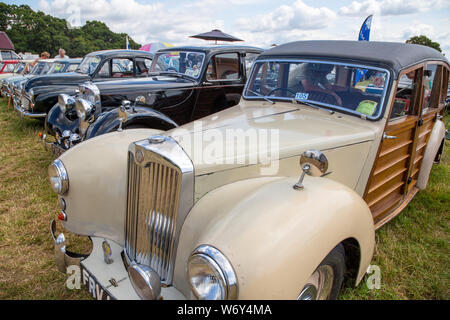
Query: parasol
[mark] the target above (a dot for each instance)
(216, 35)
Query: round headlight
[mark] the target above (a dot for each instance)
(66, 102)
(59, 180)
(83, 108)
(211, 275)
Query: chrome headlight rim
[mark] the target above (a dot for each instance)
(66, 102)
(83, 108)
(56, 170)
(222, 266)
(89, 92)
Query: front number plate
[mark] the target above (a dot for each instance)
(92, 285)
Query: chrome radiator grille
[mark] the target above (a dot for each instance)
(152, 213)
(25, 103)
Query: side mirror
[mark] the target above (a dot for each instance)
(313, 163)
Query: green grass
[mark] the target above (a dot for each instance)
(412, 250)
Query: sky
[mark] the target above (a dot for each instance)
(259, 22)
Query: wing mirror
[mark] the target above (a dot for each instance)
(313, 163)
(122, 112)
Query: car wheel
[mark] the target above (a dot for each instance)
(326, 281)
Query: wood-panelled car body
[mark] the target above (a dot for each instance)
(215, 209)
(184, 84)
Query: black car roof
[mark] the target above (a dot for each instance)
(120, 53)
(394, 55)
(213, 48)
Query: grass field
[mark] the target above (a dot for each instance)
(412, 251)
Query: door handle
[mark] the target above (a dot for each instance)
(385, 136)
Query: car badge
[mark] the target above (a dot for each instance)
(139, 156)
(107, 252)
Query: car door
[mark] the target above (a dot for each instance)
(222, 84)
(396, 169)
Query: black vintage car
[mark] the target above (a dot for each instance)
(42, 92)
(184, 84)
(24, 105)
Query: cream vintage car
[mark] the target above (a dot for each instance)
(278, 197)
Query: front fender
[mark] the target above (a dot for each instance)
(46, 97)
(97, 171)
(273, 235)
(145, 117)
(56, 122)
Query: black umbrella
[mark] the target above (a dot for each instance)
(216, 35)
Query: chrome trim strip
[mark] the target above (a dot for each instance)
(388, 77)
(24, 113)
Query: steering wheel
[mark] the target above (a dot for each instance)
(324, 97)
(280, 88)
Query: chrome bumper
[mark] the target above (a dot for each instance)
(27, 114)
(121, 288)
(63, 257)
(52, 146)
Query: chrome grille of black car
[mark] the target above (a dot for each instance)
(25, 103)
(154, 214)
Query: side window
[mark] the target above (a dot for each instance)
(122, 68)
(432, 83)
(6, 55)
(223, 67)
(9, 67)
(249, 59)
(445, 88)
(104, 72)
(142, 67)
(405, 102)
(72, 67)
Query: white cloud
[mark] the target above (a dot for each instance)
(390, 7)
(296, 16)
(144, 22)
(165, 22)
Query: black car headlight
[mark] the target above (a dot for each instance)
(59, 180)
(211, 275)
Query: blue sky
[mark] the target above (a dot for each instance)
(259, 22)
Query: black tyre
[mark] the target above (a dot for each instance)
(326, 281)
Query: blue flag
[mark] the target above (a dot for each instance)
(364, 35)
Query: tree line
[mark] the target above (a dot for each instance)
(36, 32)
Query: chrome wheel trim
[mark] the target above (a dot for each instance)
(319, 284)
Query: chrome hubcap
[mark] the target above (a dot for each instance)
(319, 284)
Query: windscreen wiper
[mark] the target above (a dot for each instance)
(174, 74)
(260, 95)
(313, 105)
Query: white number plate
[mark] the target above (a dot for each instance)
(301, 96)
(94, 288)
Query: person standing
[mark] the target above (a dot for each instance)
(62, 54)
(43, 55)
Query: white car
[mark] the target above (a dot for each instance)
(197, 212)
